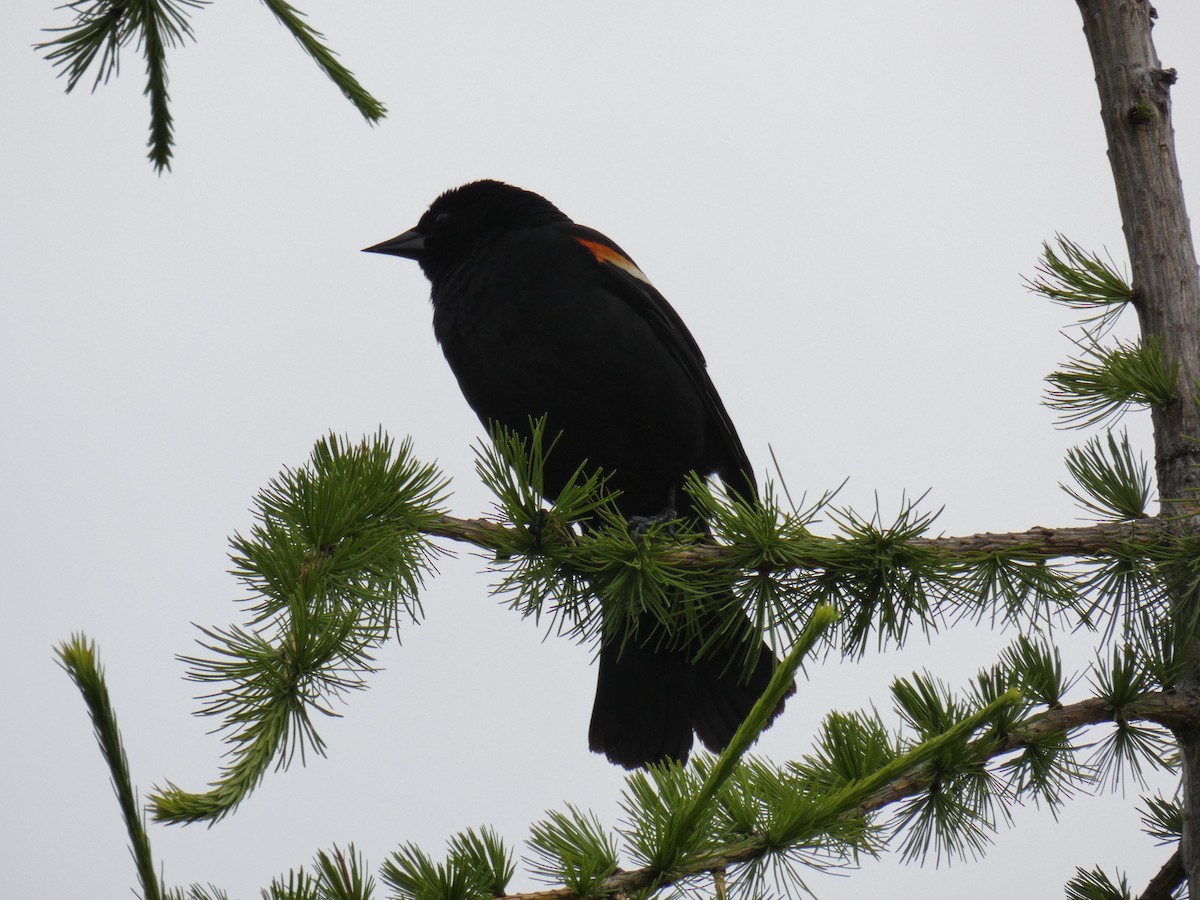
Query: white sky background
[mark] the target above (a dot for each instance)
(838, 198)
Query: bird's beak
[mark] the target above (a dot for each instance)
(410, 245)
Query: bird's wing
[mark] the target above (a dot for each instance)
(633, 287)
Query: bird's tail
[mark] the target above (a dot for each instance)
(652, 694)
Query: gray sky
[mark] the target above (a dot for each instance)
(839, 199)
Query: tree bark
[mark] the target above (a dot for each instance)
(1037, 543)
(1162, 886)
(1135, 106)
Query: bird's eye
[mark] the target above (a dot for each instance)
(441, 218)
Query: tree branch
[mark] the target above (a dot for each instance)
(1167, 708)
(1037, 543)
(1162, 886)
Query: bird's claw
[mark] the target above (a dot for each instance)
(639, 525)
(537, 528)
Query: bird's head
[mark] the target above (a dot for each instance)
(465, 218)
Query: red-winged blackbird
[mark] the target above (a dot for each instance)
(539, 317)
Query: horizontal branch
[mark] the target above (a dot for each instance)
(1056, 543)
(1168, 708)
(1037, 542)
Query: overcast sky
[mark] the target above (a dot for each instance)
(839, 199)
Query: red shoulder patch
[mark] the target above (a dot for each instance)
(607, 254)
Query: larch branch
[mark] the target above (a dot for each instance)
(1163, 885)
(1171, 709)
(1036, 543)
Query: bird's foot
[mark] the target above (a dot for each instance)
(537, 529)
(547, 530)
(639, 525)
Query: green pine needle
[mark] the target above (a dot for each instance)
(1122, 587)
(671, 808)
(1104, 382)
(572, 849)
(99, 33)
(79, 658)
(925, 704)
(465, 875)
(955, 818)
(311, 40)
(343, 874)
(1014, 589)
(296, 885)
(569, 572)
(103, 28)
(335, 559)
(1095, 884)
(1046, 769)
(1079, 279)
(1130, 747)
(881, 583)
(955, 813)
(511, 465)
(850, 747)
(1112, 484)
(1036, 668)
(485, 851)
(1162, 818)
(780, 685)
(1162, 639)
(211, 892)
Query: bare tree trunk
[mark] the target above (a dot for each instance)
(1135, 105)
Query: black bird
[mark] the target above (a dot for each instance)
(539, 316)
